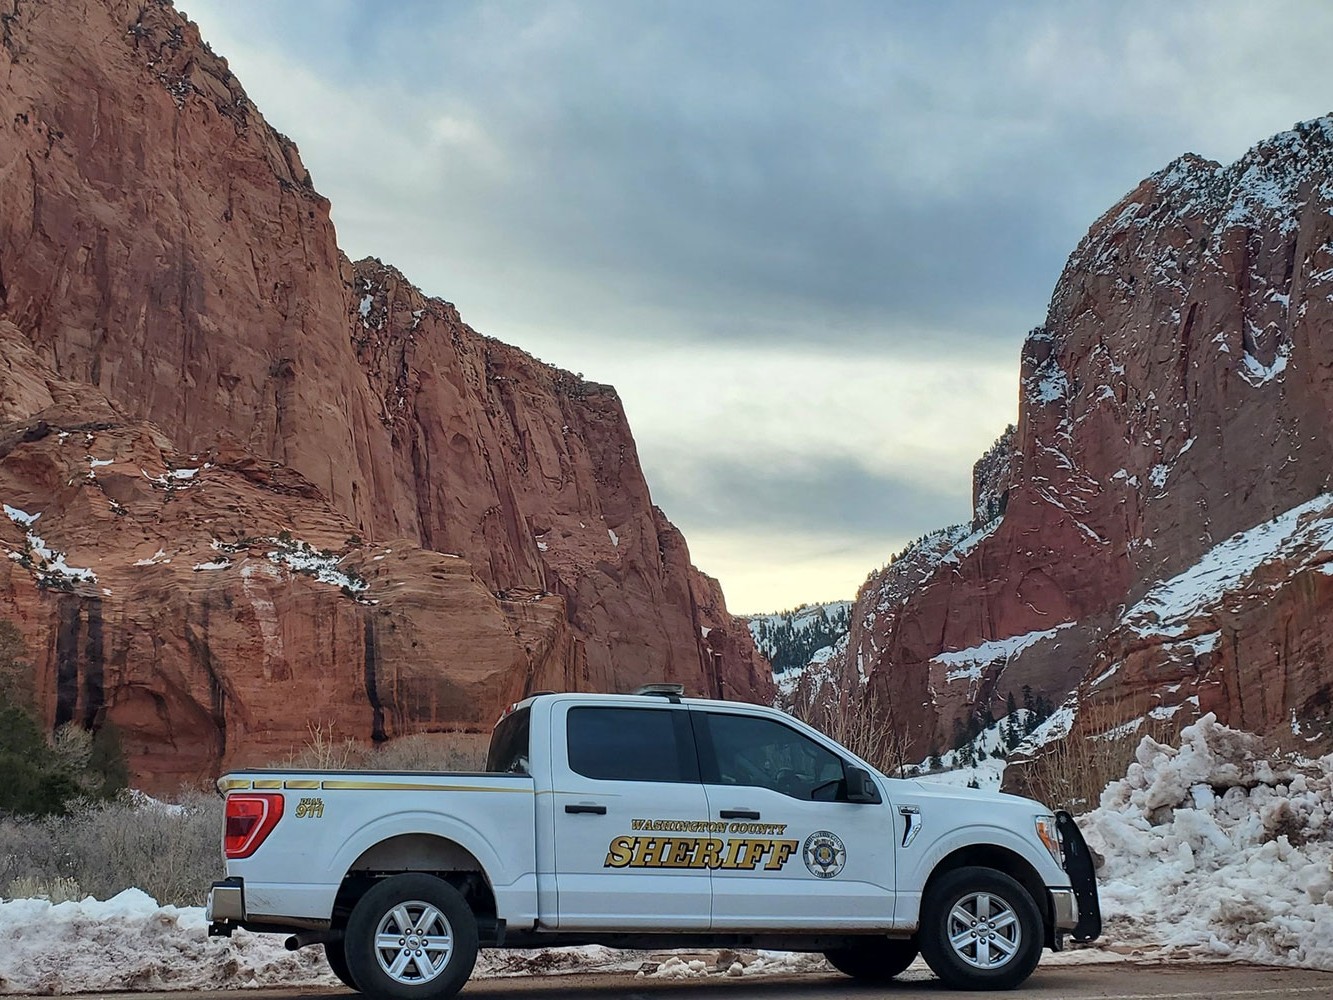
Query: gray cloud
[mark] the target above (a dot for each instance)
(859, 173)
(834, 498)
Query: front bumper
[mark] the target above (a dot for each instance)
(1064, 907)
(226, 907)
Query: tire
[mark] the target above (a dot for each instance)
(333, 954)
(958, 940)
(875, 960)
(380, 934)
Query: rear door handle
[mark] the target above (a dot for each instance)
(585, 807)
(739, 814)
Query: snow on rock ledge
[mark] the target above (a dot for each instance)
(1214, 850)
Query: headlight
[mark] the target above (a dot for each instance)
(1049, 834)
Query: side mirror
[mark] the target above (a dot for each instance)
(860, 786)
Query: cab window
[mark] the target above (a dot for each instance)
(631, 744)
(763, 752)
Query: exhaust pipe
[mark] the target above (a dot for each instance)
(303, 939)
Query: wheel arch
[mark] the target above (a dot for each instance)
(1000, 859)
(415, 852)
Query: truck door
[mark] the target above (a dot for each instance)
(796, 856)
(630, 817)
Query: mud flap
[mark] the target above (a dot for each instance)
(1082, 877)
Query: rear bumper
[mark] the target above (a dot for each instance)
(226, 907)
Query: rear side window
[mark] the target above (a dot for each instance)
(509, 744)
(631, 744)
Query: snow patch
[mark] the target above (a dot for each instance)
(48, 565)
(1253, 371)
(968, 664)
(1300, 535)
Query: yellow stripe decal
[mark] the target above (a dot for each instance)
(266, 783)
(394, 786)
(234, 785)
(302, 784)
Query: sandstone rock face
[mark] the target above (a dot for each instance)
(172, 298)
(1179, 392)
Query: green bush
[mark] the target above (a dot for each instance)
(44, 776)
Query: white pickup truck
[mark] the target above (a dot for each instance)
(649, 821)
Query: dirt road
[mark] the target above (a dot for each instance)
(1119, 981)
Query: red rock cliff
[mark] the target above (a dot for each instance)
(1164, 529)
(172, 298)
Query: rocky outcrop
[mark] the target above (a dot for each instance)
(1178, 393)
(172, 298)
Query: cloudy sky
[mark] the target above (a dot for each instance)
(803, 239)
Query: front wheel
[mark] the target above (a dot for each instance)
(980, 930)
(875, 960)
(411, 937)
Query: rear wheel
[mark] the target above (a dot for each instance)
(333, 954)
(980, 930)
(875, 960)
(411, 937)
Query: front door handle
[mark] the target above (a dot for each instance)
(739, 814)
(586, 807)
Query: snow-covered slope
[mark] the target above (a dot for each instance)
(792, 639)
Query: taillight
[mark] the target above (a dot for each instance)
(250, 818)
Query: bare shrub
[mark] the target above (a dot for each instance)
(26, 853)
(1072, 772)
(323, 751)
(848, 714)
(170, 851)
(456, 751)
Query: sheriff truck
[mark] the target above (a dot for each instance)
(649, 820)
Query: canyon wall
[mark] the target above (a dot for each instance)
(1153, 534)
(278, 488)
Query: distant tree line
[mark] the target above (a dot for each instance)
(789, 646)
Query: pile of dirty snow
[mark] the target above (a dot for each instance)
(128, 942)
(1214, 849)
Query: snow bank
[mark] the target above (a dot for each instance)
(1214, 850)
(128, 942)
